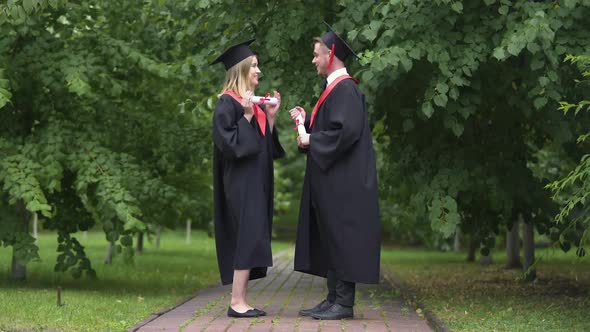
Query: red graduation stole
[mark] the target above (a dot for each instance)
(325, 94)
(258, 113)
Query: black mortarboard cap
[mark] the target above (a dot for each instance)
(235, 54)
(341, 49)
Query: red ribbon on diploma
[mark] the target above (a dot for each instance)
(265, 98)
(297, 123)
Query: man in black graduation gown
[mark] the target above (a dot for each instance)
(338, 235)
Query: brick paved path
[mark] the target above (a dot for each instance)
(282, 294)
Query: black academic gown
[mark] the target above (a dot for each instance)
(243, 190)
(339, 226)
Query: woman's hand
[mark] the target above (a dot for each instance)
(271, 110)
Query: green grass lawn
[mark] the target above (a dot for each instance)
(123, 294)
(466, 296)
(470, 297)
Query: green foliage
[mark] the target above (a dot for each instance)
(18, 173)
(460, 95)
(5, 94)
(466, 93)
(97, 122)
(12, 233)
(105, 108)
(573, 222)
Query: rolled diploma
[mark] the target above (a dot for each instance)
(300, 127)
(267, 100)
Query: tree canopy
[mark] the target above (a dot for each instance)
(105, 110)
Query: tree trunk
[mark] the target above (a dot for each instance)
(108, 259)
(457, 242)
(471, 251)
(158, 231)
(85, 235)
(139, 248)
(19, 269)
(486, 260)
(188, 231)
(35, 223)
(513, 247)
(528, 241)
(59, 302)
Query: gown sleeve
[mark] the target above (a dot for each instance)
(233, 135)
(277, 149)
(345, 114)
(306, 126)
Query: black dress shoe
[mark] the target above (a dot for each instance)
(335, 312)
(248, 314)
(318, 308)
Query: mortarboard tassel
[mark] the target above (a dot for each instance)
(331, 56)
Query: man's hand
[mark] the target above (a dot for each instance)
(303, 141)
(295, 111)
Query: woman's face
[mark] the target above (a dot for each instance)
(254, 72)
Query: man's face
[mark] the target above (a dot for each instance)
(321, 57)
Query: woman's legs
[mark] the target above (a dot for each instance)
(238, 291)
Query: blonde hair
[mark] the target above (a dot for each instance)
(237, 77)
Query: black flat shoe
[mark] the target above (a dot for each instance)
(248, 314)
(334, 312)
(260, 312)
(325, 304)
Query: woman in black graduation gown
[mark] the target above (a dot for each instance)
(246, 143)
